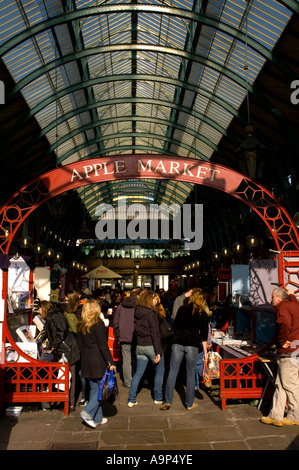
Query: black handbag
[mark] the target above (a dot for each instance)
(166, 329)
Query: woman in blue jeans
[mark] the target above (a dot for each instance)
(190, 332)
(148, 346)
(95, 357)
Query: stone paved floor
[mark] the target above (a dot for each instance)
(146, 427)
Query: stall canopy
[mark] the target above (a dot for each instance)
(101, 272)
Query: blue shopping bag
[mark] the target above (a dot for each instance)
(108, 389)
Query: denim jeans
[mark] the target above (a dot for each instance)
(84, 387)
(145, 354)
(178, 351)
(93, 409)
(199, 367)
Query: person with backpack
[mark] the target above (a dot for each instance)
(62, 342)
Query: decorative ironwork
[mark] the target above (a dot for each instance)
(274, 215)
(24, 382)
(34, 382)
(240, 378)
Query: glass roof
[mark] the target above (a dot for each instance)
(119, 77)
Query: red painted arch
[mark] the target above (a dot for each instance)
(120, 167)
(164, 167)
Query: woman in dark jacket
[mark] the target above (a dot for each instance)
(62, 341)
(95, 357)
(73, 315)
(148, 346)
(190, 332)
(166, 332)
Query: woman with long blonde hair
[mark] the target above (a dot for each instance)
(148, 347)
(161, 312)
(190, 333)
(95, 357)
(166, 332)
(198, 300)
(91, 314)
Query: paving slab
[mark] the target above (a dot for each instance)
(147, 428)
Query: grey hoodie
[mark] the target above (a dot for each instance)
(123, 323)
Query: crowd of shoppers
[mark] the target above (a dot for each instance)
(89, 327)
(129, 322)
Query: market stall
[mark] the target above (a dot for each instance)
(24, 377)
(245, 341)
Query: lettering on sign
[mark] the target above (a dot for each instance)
(145, 167)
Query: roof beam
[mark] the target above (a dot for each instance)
(153, 9)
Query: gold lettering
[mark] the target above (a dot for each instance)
(97, 167)
(187, 169)
(106, 169)
(200, 170)
(141, 167)
(174, 166)
(76, 175)
(213, 173)
(88, 169)
(120, 166)
(160, 166)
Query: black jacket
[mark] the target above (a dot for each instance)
(60, 338)
(190, 329)
(95, 354)
(147, 328)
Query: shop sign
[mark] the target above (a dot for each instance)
(148, 166)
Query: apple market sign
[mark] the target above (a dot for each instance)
(162, 167)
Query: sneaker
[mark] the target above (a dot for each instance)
(82, 402)
(90, 422)
(289, 422)
(157, 402)
(104, 421)
(195, 405)
(165, 406)
(267, 420)
(131, 404)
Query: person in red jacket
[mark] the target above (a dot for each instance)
(287, 348)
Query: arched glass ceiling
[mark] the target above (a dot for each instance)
(115, 77)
